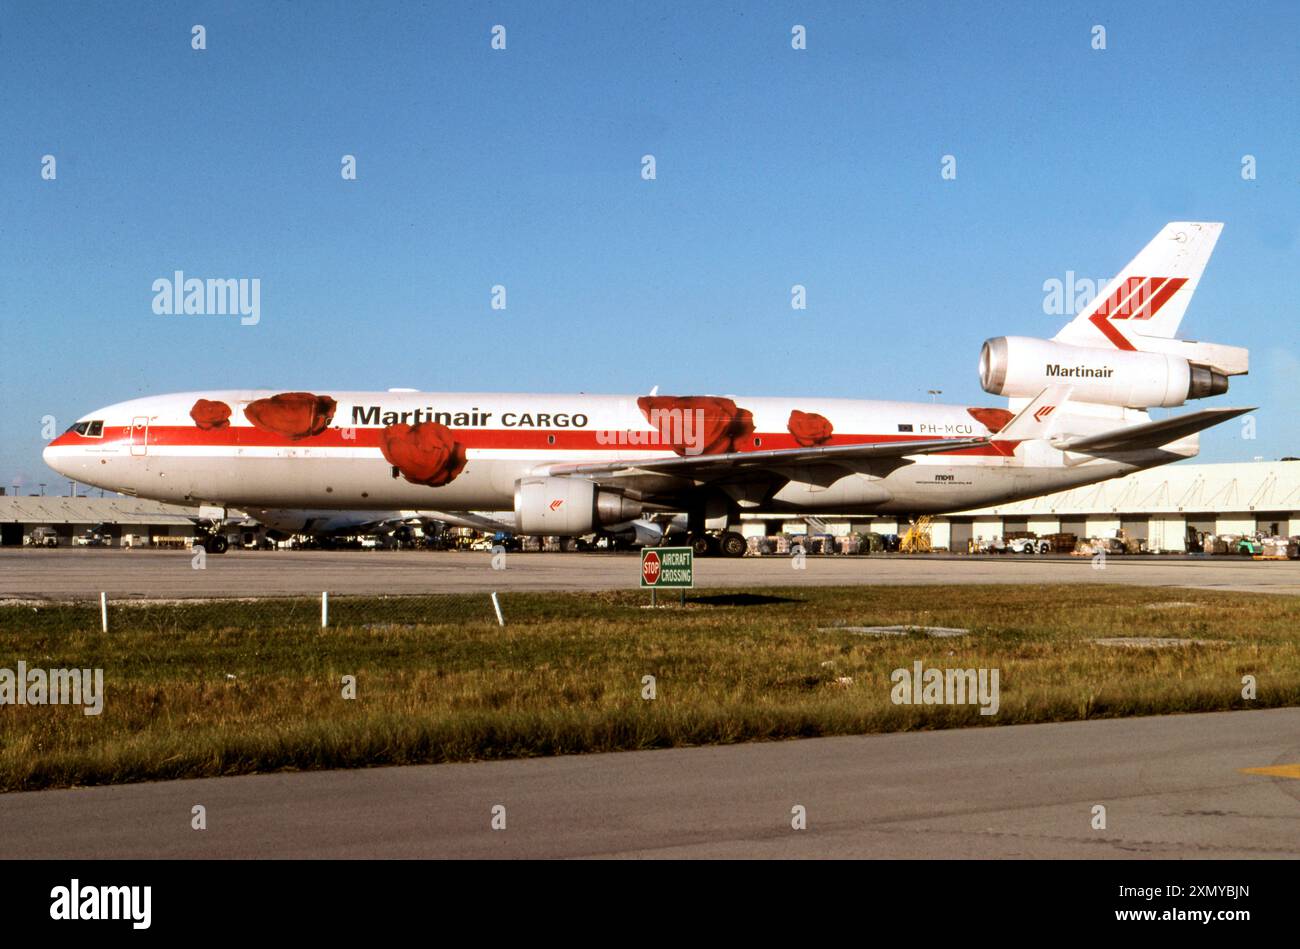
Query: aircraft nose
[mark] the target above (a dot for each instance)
(64, 454)
(55, 457)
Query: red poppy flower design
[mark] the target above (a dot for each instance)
(426, 453)
(209, 414)
(697, 424)
(993, 419)
(292, 414)
(809, 428)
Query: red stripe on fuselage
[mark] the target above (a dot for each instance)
(164, 436)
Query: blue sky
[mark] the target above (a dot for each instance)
(522, 167)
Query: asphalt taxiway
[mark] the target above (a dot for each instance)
(159, 573)
(1171, 786)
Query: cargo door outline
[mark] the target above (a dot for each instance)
(140, 435)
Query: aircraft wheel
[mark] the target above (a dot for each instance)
(217, 545)
(702, 545)
(733, 544)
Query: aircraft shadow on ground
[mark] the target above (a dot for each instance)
(741, 599)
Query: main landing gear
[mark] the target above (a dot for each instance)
(704, 543)
(726, 544)
(732, 544)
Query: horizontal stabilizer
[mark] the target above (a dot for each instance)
(1149, 434)
(1228, 360)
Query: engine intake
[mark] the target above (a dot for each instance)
(1021, 366)
(568, 507)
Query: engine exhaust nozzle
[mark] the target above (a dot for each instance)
(1205, 382)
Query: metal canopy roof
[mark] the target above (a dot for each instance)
(64, 510)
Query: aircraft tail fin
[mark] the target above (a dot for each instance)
(1148, 298)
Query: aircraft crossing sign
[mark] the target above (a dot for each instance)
(667, 568)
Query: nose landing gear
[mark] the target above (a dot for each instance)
(213, 543)
(211, 538)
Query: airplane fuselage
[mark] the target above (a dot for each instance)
(466, 451)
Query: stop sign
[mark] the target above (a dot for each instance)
(650, 568)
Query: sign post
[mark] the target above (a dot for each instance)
(670, 568)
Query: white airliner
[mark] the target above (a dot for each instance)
(569, 465)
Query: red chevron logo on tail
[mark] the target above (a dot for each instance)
(1137, 298)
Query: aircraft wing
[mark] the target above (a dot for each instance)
(479, 522)
(692, 466)
(1031, 423)
(1148, 434)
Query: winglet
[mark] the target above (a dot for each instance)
(1038, 418)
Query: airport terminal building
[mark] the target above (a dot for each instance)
(69, 517)
(1157, 506)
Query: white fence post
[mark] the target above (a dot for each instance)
(103, 611)
(324, 609)
(496, 605)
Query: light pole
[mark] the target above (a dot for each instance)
(42, 489)
(934, 394)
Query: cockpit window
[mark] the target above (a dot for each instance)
(93, 429)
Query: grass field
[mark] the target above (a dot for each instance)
(220, 688)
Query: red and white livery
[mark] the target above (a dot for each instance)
(575, 464)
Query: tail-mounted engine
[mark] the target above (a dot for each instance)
(1021, 366)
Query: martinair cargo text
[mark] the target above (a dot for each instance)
(576, 464)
